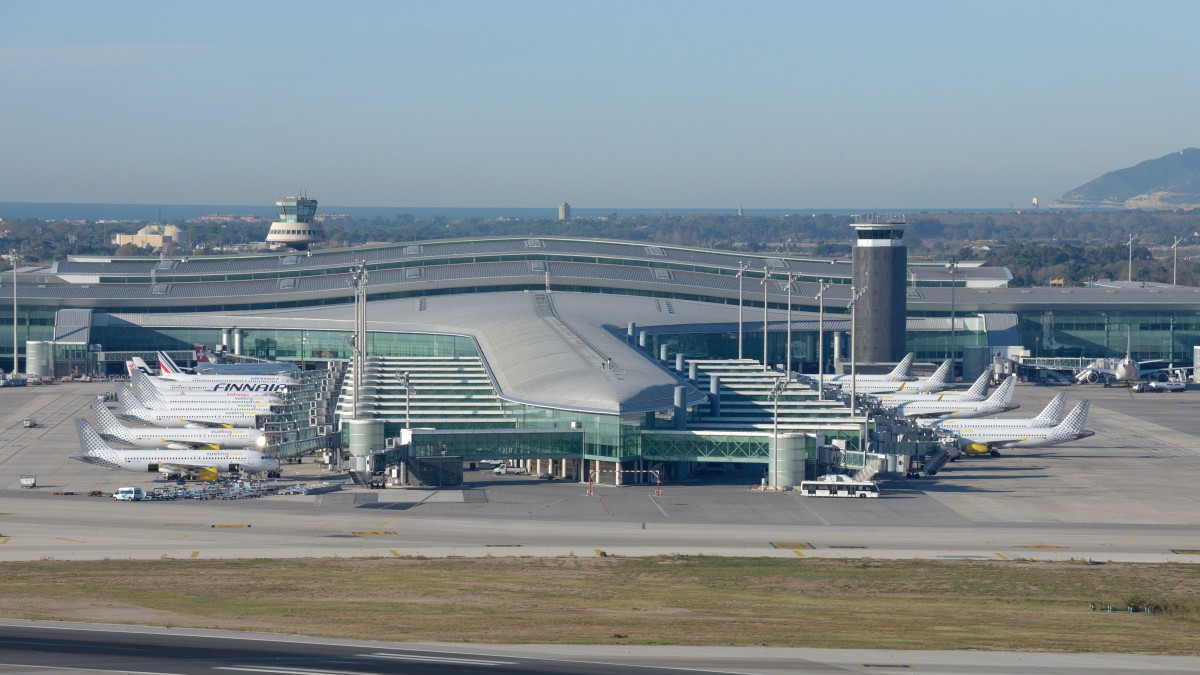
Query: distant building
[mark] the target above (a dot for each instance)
(151, 236)
(564, 211)
(296, 226)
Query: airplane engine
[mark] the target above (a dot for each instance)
(206, 474)
(152, 468)
(976, 449)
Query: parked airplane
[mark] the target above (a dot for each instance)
(977, 392)
(171, 371)
(260, 384)
(204, 464)
(939, 380)
(901, 373)
(206, 366)
(152, 398)
(978, 437)
(1000, 401)
(1050, 416)
(186, 417)
(177, 438)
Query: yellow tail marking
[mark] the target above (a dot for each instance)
(395, 553)
(4, 540)
(195, 554)
(798, 553)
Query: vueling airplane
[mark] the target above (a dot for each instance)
(901, 373)
(979, 437)
(175, 438)
(977, 392)
(203, 464)
(939, 380)
(1000, 401)
(186, 417)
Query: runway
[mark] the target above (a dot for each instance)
(32, 647)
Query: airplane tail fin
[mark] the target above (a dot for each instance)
(142, 365)
(940, 377)
(107, 423)
(167, 364)
(1051, 415)
(901, 371)
(201, 353)
(92, 448)
(1074, 421)
(129, 403)
(1004, 393)
(979, 389)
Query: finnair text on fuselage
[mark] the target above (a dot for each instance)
(248, 387)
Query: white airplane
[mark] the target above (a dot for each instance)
(939, 380)
(206, 366)
(204, 464)
(170, 371)
(977, 392)
(1050, 416)
(898, 374)
(154, 398)
(1000, 401)
(186, 417)
(175, 438)
(979, 437)
(219, 384)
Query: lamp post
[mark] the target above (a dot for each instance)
(766, 280)
(1132, 239)
(853, 307)
(791, 279)
(358, 281)
(780, 385)
(1175, 265)
(821, 337)
(953, 324)
(741, 276)
(15, 258)
(406, 382)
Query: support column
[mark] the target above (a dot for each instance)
(662, 352)
(617, 474)
(692, 373)
(237, 341)
(714, 395)
(680, 411)
(679, 363)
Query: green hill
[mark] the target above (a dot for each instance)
(1169, 182)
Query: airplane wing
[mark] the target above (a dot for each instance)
(176, 444)
(202, 424)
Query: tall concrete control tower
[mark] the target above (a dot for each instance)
(880, 266)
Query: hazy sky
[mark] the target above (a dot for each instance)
(832, 104)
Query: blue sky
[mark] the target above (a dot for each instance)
(641, 104)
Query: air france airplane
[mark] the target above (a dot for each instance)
(177, 438)
(977, 392)
(204, 464)
(978, 437)
(171, 371)
(205, 366)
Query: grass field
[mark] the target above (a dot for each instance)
(1017, 605)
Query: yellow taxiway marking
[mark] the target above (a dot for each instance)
(388, 521)
(4, 540)
(195, 554)
(1045, 546)
(799, 553)
(395, 553)
(373, 532)
(790, 544)
(1001, 556)
(226, 526)
(77, 541)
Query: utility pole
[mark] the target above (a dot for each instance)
(821, 337)
(15, 258)
(853, 306)
(780, 385)
(791, 279)
(358, 281)
(741, 276)
(953, 324)
(766, 280)
(1132, 239)
(1175, 265)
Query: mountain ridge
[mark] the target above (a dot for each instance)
(1168, 182)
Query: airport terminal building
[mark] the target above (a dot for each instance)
(585, 356)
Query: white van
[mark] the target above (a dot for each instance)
(128, 494)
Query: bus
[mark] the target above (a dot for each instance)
(837, 485)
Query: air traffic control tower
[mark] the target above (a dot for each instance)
(880, 266)
(296, 227)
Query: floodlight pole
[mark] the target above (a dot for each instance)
(407, 382)
(953, 324)
(853, 363)
(358, 281)
(766, 280)
(1175, 265)
(15, 257)
(780, 385)
(1132, 239)
(821, 337)
(791, 278)
(741, 275)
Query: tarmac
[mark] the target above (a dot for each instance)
(1124, 494)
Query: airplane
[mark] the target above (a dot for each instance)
(260, 384)
(186, 417)
(980, 437)
(898, 374)
(174, 438)
(169, 370)
(204, 464)
(977, 392)
(1000, 401)
(939, 380)
(206, 366)
(157, 400)
(1050, 416)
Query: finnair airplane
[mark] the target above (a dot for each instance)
(186, 417)
(171, 371)
(978, 437)
(939, 380)
(212, 383)
(898, 374)
(175, 438)
(977, 392)
(204, 464)
(1000, 401)
(205, 366)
